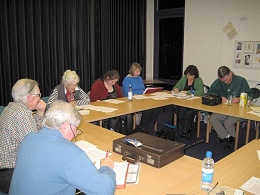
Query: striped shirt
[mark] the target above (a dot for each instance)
(59, 93)
(16, 121)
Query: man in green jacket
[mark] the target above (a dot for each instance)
(227, 84)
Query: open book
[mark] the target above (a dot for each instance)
(152, 89)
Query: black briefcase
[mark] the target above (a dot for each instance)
(154, 151)
(211, 100)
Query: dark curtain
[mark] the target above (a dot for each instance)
(122, 35)
(40, 39)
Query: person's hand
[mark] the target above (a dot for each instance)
(73, 103)
(41, 106)
(224, 100)
(235, 100)
(176, 90)
(107, 162)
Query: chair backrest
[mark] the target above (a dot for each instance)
(45, 99)
(1, 109)
(256, 95)
(206, 88)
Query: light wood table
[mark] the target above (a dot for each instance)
(151, 180)
(127, 107)
(232, 171)
(138, 105)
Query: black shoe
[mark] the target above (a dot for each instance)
(230, 141)
(222, 140)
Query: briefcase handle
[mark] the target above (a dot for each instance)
(131, 160)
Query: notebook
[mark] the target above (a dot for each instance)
(152, 89)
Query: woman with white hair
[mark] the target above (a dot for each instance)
(55, 165)
(16, 121)
(69, 91)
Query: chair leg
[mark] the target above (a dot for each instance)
(175, 119)
(208, 131)
(247, 130)
(237, 134)
(134, 121)
(257, 130)
(198, 125)
(156, 126)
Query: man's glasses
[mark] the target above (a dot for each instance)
(39, 94)
(78, 132)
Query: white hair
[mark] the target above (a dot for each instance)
(59, 113)
(70, 77)
(22, 88)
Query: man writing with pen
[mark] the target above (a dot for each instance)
(227, 84)
(49, 163)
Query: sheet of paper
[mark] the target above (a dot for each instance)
(91, 150)
(84, 112)
(252, 185)
(139, 97)
(254, 113)
(98, 108)
(158, 98)
(255, 108)
(120, 169)
(114, 101)
(258, 154)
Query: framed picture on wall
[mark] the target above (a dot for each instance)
(247, 54)
(249, 47)
(257, 47)
(247, 59)
(239, 46)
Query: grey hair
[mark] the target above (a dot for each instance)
(22, 88)
(59, 113)
(70, 77)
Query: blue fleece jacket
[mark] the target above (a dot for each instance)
(47, 163)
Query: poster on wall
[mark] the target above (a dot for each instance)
(256, 57)
(247, 54)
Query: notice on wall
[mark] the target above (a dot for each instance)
(247, 54)
(230, 31)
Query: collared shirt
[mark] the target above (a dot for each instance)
(16, 121)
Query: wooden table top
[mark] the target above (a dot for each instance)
(137, 105)
(151, 180)
(232, 171)
(183, 175)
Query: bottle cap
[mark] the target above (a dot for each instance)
(209, 154)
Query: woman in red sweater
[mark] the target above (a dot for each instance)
(107, 88)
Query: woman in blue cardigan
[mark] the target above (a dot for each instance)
(149, 117)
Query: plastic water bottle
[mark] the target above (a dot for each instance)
(130, 93)
(192, 92)
(207, 172)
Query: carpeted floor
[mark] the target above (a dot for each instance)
(199, 150)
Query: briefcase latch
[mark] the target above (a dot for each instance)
(118, 148)
(131, 160)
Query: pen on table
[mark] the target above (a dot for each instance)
(107, 153)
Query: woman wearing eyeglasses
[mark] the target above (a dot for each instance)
(69, 91)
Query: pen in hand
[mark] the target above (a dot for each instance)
(107, 153)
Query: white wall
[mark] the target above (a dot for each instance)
(205, 43)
